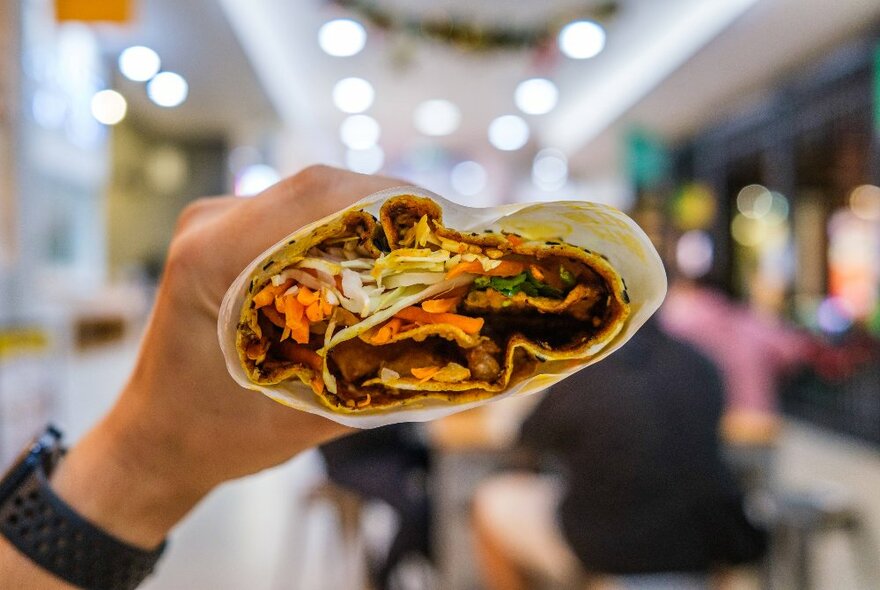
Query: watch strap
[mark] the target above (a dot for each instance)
(50, 533)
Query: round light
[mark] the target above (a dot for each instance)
(550, 170)
(694, 253)
(864, 202)
(508, 132)
(167, 89)
(359, 132)
(139, 63)
(437, 117)
(754, 201)
(536, 96)
(468, 178)
(109, 107)
(582, 39)
(353, 95)
(368, 161)
(255, 179)
(748, 231)
(342, 37)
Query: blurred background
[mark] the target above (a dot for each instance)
(741, 134)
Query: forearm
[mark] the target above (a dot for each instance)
(124, 483)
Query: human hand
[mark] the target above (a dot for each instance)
(182, 426)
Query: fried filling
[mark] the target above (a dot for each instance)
(358, 320)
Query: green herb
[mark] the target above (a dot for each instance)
(567, 278)
(523, 282)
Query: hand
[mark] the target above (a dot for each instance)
(182, 425)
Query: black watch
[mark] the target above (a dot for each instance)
(51, 534)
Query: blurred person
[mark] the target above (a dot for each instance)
(642, 494)
(391, 464)
(181, 426)
(752, 350)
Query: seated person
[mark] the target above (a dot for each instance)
(642, 489)
(391, 464)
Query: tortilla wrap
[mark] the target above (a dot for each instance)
(378, 313)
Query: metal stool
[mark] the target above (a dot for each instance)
(801, 519)
(330, 551)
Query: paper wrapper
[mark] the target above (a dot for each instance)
(600, 228)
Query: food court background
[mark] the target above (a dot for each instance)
(743, 134)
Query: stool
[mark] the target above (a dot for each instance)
(330, 550)
(801, 519)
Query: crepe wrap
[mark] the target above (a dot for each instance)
(504, 301)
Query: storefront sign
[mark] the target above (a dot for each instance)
(118, 11)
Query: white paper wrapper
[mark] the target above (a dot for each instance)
(600, 228)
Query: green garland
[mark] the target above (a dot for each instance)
(469, 36)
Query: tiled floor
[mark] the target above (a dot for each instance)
(248, 534)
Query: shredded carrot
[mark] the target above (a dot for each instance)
(317, 384)
(303, 355)
(264, 297)
(293, 316)
(424, 373)
(306, 296)
(387, 332)
(507, 268)
(536, 272)
(273, 316)
(418, 315)
(514, 239)
(440, 305)
(314, 313)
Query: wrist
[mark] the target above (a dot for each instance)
(128, 482)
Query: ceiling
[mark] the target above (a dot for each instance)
(194, 39)
(672, 66)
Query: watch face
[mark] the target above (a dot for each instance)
(43, 444)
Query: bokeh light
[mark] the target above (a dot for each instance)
(255, 179)
(109, 107)
(582, 39)
(694, 253)
(359, 132)
(550, 169)
(437, 117)
(353, 95)
(536, 96)
(139, 63)
(367, 161)
(864, 202)
(468, 178)
(342, 37)
(508, 132)
(754, 201)
(168, 89)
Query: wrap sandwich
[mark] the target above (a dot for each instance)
(378, 313)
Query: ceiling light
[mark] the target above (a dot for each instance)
(359, 132)
(167, 89)
(368, 161)
(139, 63)
(536, 96)
(255, 179)
(508, 132)
(582, 39)
(353, 95)
(437, 117)
(468, 178)
(108, 107)
(550, 170)
(342, 37)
